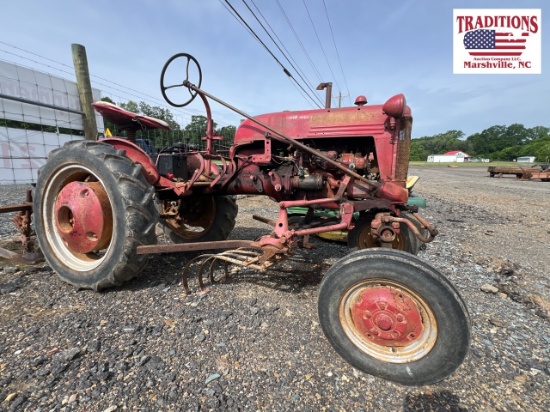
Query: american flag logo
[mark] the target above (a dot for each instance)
(493, 43)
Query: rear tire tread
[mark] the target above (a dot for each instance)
(138, 209)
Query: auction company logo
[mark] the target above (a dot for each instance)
(490, 41)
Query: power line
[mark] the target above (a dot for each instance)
(283, 53)
(253, 33)
(299, 41)
(237, 16)
(72, 74)
(282, 45)
(110, 88)
(337, 53)
(321, 44)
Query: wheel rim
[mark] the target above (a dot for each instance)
(388, 321)
(366, 240)
(194, 220)
(77, 217)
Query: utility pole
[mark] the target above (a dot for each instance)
(340, 97)
(84, 90)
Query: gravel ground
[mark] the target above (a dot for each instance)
(255, 343)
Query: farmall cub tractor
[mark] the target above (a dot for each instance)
(385, 311)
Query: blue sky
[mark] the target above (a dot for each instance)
(385, 47)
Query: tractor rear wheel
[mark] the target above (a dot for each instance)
(92, 208)
(360, 237)
(392, 315)
(201, 219)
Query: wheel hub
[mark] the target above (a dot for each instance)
(83, 216)
(387, 316)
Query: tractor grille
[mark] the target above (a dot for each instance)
(403, 149)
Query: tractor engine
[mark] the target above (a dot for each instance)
(291, 172)
(372, 141)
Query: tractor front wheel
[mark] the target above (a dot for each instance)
(92, 208)
(392, 315)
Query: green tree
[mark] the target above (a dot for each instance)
(487, 142)
(131, 106)
(516, 134)
(228, 134)
(539, 148)
(496, 142)
(506, 154)
(417, 151)
(440, 143)
(538, 132)
(493, 140)
(196, 129)
(160, 137)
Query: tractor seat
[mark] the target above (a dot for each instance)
(127, 120)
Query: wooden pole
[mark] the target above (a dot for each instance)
(84, 91)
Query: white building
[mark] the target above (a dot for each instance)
(526, 159)
(452, 156)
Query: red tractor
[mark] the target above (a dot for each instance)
(97, 203)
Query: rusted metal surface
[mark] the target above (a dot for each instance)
(25, 259)
(16, 208)
(193, 247)
(544, 175)
(387, 189)
(522, 173)
(255, 259)
(388, 321)
(256, 255)
(22, 221)
(425, 224)
(83, 216)
(199, 217)
(386, 226)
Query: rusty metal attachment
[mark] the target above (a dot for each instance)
(388, 321)
(386, 227)
(22, 221)
(521, 173)
(256, 257)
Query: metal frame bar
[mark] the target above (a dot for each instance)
(49, 106)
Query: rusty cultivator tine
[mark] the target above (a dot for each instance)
(254, 259)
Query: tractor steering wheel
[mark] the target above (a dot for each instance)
(164, 88)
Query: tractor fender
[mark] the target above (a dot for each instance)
(136, 155)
